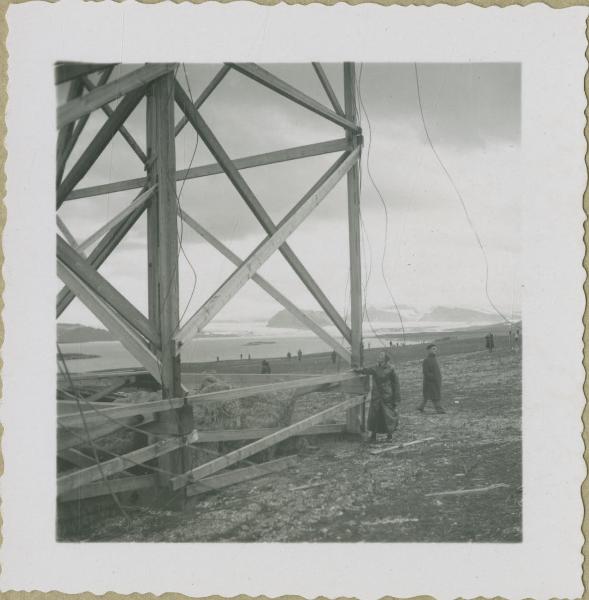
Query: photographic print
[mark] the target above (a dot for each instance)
(291, 302)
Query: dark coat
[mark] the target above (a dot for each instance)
(386, 395)
(432, 379)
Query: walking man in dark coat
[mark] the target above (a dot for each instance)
(386, 396)
(432, 381)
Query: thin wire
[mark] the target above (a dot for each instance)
(386, 212)
(115, 498)
(459, 195)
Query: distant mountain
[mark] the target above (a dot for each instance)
(75, 333)
(461, 315)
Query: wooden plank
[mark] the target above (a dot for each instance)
(308, 385)
(487, 488)
(116, 486)
(279, 86)
(70, 111)
(102, 251)
(102, 311)
(217, 482)
(400, 446)
(98, 144)
(130, 208)
(265, 250)
(76, 458)
(329, 90)
(68, 71)
(66, 232)
(62, 158)
(354, 216)
(234, 435)
(106, 109)
(72, 481)
(246, 162)
(266, 442)
(260, 213)
(99, 285)
(209, 89)
(270, 289)
(65, 134)
(163, 231)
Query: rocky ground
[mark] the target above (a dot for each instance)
(339, 491)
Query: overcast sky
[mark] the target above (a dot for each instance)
(432, 257)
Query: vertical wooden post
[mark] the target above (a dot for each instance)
(353, 415)
(162, 236)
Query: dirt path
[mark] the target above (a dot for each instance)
(357, 496)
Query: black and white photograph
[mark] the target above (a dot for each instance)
(291, 302)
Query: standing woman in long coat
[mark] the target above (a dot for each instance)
(386, 395)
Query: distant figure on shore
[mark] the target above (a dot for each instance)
(386, 396)
(217, 359)
(288, 355)
(432, 381)
(490, 342)
(265, 367)
(241, 357)
(368, 345)
(300, 354)
(333, 357)
(391, 343)
(249, 356)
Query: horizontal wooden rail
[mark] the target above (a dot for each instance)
(247, 162)
(270, 440)
(116, 486)
(217, 482)
(111, 91)
(68, 71)
(235, 435)
(308, 385)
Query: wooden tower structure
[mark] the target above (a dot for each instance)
(156, 340)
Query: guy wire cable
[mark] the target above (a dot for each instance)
(459, 195)
(376, 188)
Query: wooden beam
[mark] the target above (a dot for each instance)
(65, 134)
(117, 486)
(353, 184)
(266, 442)
(122, 129)
(102, 251)
(215, 81)
(68, 71)
(98, 144)
(307, 385)
(217, 482)
(130, 208)
(329, 90)
(235, 435)
(271, 290)
(76, 458)
(99, 285)
(62, 157)
(265, 250)
(247, 162)
(71, 481)
(76, 436)
(105, 391)
(70, 111)
(260, 213)
(67, 234)
(104, 313)
(279, 86)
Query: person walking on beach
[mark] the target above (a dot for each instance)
(333, 357)
(432, 381)
(489, 342)
(288, 355)
(265, 367)
(386, 396)
(300, 354)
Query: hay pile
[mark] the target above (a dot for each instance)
(266, 410)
